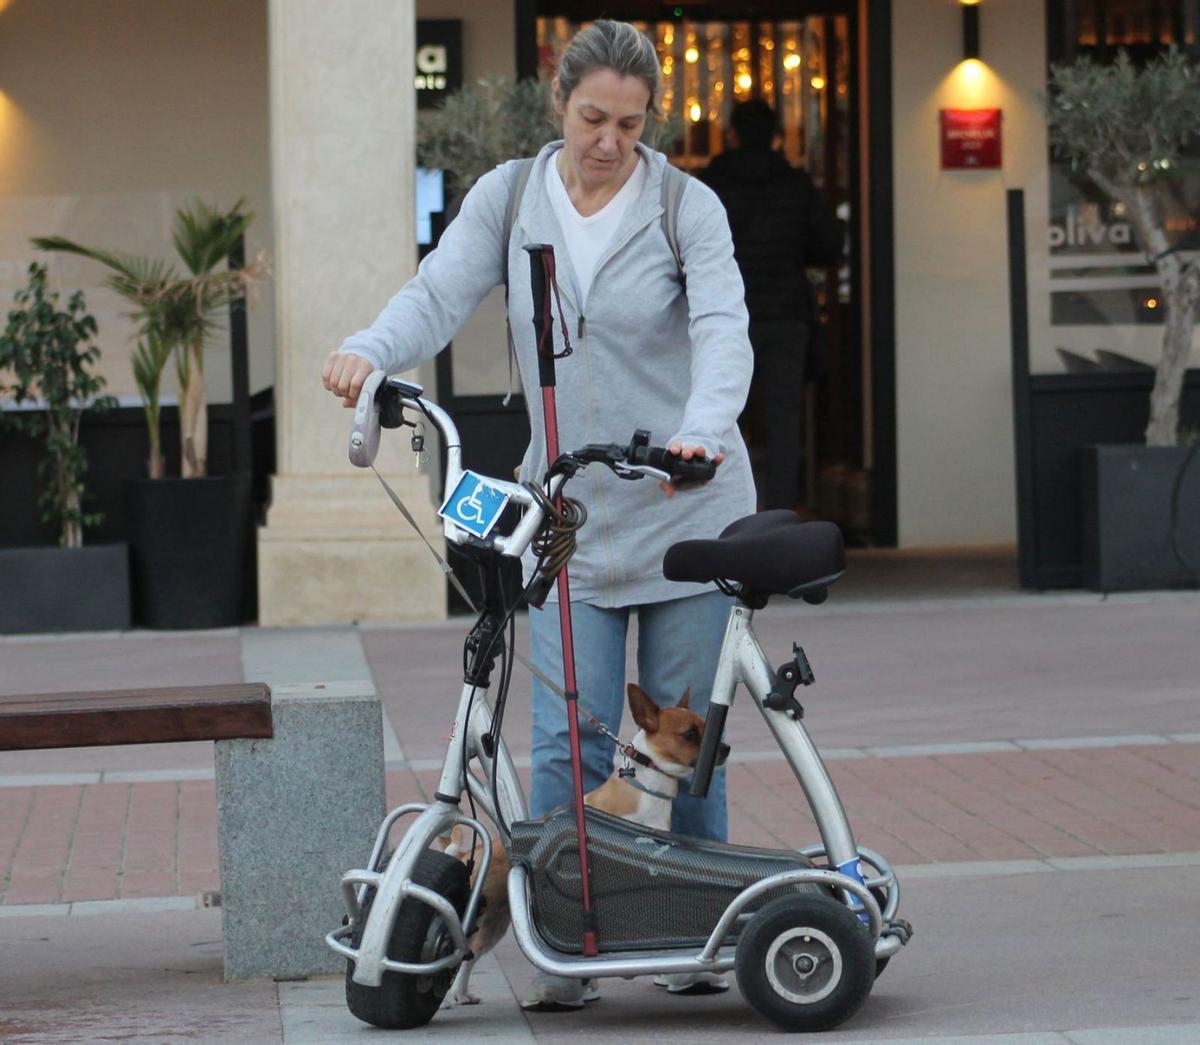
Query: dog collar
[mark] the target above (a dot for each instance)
(629, 775)
(634, 755)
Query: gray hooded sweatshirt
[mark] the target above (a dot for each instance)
(646, 354)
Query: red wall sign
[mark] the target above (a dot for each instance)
(970, 138)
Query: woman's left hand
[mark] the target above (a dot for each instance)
(687, 451)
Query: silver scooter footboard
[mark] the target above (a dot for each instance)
(651, 890)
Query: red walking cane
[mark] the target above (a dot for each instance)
(545, 291)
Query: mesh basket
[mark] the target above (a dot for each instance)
(650, 889)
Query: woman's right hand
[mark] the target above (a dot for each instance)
(344, 374)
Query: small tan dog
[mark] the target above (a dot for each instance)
(669, 740)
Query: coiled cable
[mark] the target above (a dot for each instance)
(554, 543)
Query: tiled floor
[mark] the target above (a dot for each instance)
(106, 841)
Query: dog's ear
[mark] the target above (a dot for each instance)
(687, 695)
(645, 711)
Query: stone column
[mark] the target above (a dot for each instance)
(343, 128)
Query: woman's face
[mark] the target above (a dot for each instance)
(602, 121)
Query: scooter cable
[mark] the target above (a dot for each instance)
(555, 542)
(507, 661)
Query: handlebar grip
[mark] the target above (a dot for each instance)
(700, 468)
(364, 436)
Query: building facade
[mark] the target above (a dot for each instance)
(114, 112)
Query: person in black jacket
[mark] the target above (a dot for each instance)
(781, 226)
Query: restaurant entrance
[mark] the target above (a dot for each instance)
(804, 59)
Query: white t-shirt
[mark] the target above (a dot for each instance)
(588, 238)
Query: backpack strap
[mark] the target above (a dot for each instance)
(516, 192)
(673, 184)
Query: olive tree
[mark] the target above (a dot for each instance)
(1127, 128)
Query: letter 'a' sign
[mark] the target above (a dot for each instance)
(439, 59)
(970, 139)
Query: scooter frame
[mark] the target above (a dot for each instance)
(741, 660)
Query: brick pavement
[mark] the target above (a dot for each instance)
(64, 843)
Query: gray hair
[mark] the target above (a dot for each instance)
(606, 44)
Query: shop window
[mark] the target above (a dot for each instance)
(1142, 27)
(801, 67)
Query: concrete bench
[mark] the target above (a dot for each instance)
(300, 795)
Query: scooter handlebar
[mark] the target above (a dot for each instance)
(700, 469)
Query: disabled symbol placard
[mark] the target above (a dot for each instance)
(474, 504)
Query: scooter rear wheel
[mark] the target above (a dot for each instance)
(405, 1000)
(806, 963)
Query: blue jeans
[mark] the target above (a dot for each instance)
(678, 645)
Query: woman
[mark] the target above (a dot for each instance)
(648, 353)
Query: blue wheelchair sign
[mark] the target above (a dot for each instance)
(474, 504)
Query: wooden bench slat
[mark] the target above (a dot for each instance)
(149, 716)
(174, 696)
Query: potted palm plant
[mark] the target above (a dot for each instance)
(49, 354)
(1127, 129)
(188, 535)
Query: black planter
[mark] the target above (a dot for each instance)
(188, 542)
(1140, 515)
(64, 589)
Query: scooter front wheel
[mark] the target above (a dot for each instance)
(419, 934)
(806, 963)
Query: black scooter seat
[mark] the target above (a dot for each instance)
(770, 553)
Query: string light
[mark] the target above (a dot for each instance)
(791, 62)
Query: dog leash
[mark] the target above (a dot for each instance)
(626, 749)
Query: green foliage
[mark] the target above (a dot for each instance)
(49, 354)
(484, 124)
(182, 310)
(178, 312)
(1128, 125)
(204, 236)
(1127, 128)
(498, 119)
(149, 359)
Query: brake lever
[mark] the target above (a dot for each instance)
(645, 469)
(613, 457)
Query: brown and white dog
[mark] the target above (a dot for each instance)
(669, 739)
